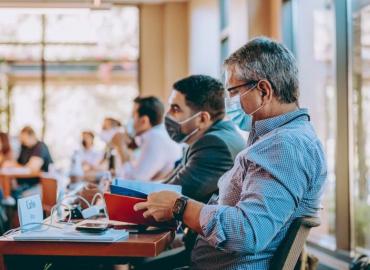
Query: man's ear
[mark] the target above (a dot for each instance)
(205, 118)
(266, 90)
(145, 121)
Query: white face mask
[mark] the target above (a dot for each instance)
(130, 128)
(107, 135)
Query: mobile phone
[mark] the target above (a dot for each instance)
(92, 227)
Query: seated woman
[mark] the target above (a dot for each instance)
(6, 155)
(6, 160)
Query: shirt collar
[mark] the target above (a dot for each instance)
(263, 127)
(216, 125)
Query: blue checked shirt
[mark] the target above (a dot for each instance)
(279, 176)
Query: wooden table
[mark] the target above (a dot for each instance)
(6, 176)
(137, 245)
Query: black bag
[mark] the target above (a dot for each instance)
(360, 263)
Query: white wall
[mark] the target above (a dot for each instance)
(238, 24)
(204, 37)
(204, 34)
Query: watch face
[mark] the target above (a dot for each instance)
(178, 205)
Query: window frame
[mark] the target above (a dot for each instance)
(344, 218)
(224, 35)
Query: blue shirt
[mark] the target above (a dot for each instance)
(279, 177)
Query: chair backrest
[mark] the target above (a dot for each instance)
(49, 193)
(287, 254)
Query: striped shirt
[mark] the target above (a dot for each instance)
(279, 177)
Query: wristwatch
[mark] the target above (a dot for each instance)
(179, 207)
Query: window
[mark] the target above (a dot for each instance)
(361, 113)
(314, 45)
(224, 14)
(91, 62)
(224, 29)
(287, 26)
(335, 86)
(74, 107)
(224, 49)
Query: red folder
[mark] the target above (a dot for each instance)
(121, 208)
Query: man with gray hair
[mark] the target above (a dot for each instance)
(278, 177)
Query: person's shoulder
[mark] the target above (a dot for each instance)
(226, 132)
(302, 135)
(208, 139)
(158, 136)
(43, 148)
(42, 145)
(300, 140)
(221, 134)
(158, 131)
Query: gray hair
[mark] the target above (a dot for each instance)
(265, 59)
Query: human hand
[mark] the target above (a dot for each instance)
(119, 139)
(159, 205)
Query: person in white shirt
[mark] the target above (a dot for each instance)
(90, 157)
(110, 127)
(85, 161)
(145, 151)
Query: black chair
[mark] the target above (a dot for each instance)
(177, 258)
(285, 258)
(287, 254)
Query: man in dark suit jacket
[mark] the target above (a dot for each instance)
(206, 160)
(196, 117)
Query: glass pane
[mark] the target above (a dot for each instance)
(361, 114)
(18, 27)
(224, 49)
(224, 13)
(72, 108)
(315, 41)
(25, 107)
(92, 71)
(102, 34)
(20, 52)
(287, 24)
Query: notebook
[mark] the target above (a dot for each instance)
(139, 189)
(121, 208)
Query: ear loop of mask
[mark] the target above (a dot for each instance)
(194, 131)
(259, 108)
(190, 118)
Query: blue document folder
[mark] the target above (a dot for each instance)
(139, 189)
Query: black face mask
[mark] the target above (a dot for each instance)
(174, 129)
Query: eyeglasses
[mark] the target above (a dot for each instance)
(231, 90)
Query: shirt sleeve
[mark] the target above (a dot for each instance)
(38, 151)
(273, 185)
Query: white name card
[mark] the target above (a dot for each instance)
(30, 212)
